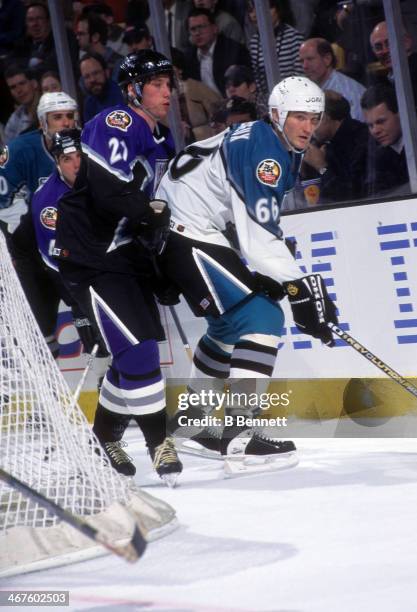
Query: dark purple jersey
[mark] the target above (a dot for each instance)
(123, 162)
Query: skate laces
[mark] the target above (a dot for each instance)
(165, 453)
(116, 452)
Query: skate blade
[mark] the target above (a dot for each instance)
(252, 464)
(190, 447)
(170, 479)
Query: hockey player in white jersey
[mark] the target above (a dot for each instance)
(227, 255)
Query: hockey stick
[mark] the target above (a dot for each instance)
(87, 368)
(131, 551)
(181, 333)
(362, 350)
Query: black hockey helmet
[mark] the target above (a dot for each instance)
(65, 142)
(139, 67)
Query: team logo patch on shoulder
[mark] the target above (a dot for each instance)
(4, 155)
(119, 119)
(268, 172)
(48, 217)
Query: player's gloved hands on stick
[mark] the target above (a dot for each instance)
(312, 307)
(153, 229)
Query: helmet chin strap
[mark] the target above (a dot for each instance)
(135, 100)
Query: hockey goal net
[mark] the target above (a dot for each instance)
(46, 442)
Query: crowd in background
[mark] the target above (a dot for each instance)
(358, 150)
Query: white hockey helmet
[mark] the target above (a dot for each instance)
(294, 93)
(53, 102)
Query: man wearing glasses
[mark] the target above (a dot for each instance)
(212, 53)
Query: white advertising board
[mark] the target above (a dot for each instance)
(368, 258)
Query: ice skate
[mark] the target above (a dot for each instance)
(119, 460)
(196, 440)
(165, 461)
(247, 451)
(206, 443)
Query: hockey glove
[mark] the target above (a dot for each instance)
(153, 229)
(267, 285)
(88, 336)
(311, 306)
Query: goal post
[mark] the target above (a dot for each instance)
(47, 443)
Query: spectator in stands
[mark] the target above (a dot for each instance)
(227, 112)
(50, 82)
(211, 53)
(37, 48)
(25, 91)
(387, 165)
(102, 91)
(287, 44)
(380, 46)
(225, 22)
(241, 82)
(176, 12)
(319, 63)
(339, 152)
(239, 110)
(196, 101)
(91, 34)
(138, 37)
(114, 32)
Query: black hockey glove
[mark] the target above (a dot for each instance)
(267, 285)
(311, 307)
(153, 229)
(89, 336)
(167, 293)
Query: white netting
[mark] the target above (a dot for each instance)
(45, 439)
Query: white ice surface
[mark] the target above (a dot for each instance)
(337, 533)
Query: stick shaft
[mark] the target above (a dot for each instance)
(181, 332)
(362, 350)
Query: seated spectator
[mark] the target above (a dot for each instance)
(387, 165)
(319, 63)
(380, 46)
(137, 37)
(25, 92)
(339, 152)
(239, 110)
(225, 22)
(228, 112)
(114, 32)
(287, 44)
(241, 82)
(211, 53)
(37, 48)
(102, 91)
(50, 82)
(196, 101)
(91, 34)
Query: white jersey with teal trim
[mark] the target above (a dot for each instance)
(237, 177)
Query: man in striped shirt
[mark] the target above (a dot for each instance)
(287, 44)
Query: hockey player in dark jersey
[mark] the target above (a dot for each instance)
(237, 181)
(109, 229)
(38, 226)
(25, 166)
